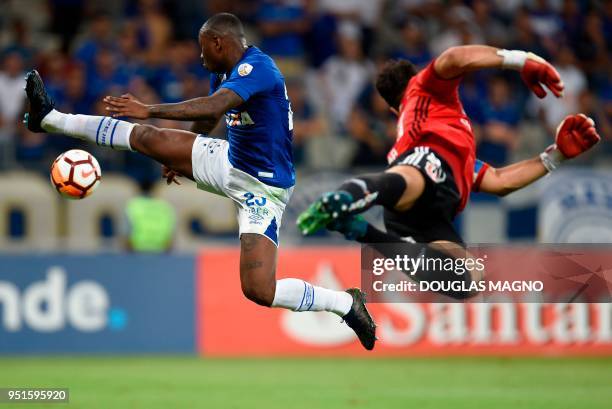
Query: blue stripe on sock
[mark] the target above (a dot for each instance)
(313, 295)
(113, 133)
(303, 296)
(98, 131)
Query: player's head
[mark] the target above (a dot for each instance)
(393, 79)
(221, 39)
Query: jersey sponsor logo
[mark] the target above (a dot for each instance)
(238, 119)
(244, 69)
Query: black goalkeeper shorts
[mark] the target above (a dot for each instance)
(431, 217)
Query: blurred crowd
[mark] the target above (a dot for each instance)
(328, 50)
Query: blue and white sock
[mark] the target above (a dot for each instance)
(298, 295)
(101, 130)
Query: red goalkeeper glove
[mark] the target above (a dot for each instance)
(535, 72)
(575, 134)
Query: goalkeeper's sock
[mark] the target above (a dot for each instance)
(383, 189)
(101, 130)
(298, 295)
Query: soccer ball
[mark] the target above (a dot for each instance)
(75, 174)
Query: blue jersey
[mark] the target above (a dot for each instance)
(260, 130)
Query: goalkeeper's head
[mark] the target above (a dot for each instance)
(393, 79)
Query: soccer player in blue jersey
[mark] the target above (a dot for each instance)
(254, 167)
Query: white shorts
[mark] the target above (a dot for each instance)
(260, 207)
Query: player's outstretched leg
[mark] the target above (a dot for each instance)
(259, 284)
(168, 146)
(358, 194)
(42, 117)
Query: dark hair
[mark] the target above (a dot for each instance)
(224, 24)
(393, 79)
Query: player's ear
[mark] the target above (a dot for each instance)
(214, 42)
(219, 43)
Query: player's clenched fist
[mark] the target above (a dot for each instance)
(536, 72)
(575, 134)
(126, 105)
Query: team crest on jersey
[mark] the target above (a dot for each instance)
(244, 69)
(434, 170)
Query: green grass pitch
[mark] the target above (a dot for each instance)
(186, 382)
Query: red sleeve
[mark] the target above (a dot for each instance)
(429, 81)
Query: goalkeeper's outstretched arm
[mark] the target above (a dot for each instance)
(575, 135)
(536, 72)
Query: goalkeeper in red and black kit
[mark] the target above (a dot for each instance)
(433, 166)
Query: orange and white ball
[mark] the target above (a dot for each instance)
(75, 174)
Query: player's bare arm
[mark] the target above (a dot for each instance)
(505, 180)
(536, 72)
(209, 108)
(575, 135)
(457, 61)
